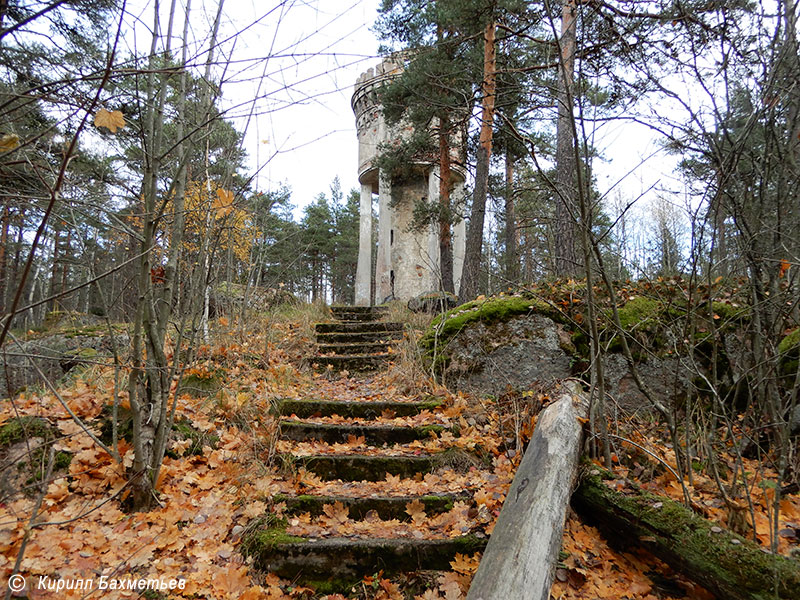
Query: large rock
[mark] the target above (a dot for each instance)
(56, 355)
(665, 377)
(488, 358)
(431, 302)
(229, 297)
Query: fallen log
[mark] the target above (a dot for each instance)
(727, 565)
(520, 558)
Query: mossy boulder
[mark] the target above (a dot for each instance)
(433, 301)
(729, 313)
(485, 346)
(227, 298)
(66, 342)
(789, 353)
(202, 382)
(650, 325)
(487, 311)
(25, 453)
(21, 428)
(665, 376)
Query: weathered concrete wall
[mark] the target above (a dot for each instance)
(414, 268)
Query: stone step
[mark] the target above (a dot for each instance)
(358, 338)
(354, 362)
(336, 564)
(377, 310)
(342, 327)
(348, 317)
(354, 348)
(362, 467)
(374, 435)
(353, 410)
(385, 507)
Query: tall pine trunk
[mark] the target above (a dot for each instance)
(470, 278)
(566, 259)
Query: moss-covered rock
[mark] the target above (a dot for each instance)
(728, 313)
(433, 301)
(265, 534)
(25, 445)
(20, 428)
(789, 353)
(488, 311)
(641, 312)
(487, 346)
(58, 348)
(202, 382)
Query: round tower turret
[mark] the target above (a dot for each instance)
(407, 259)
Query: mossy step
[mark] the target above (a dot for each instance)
(335, 564)
(352, 410)
(354, 348)
(386, 508)
(342, 327)
(361, 467)
(376, 435)
(354, 362)
(359, 338)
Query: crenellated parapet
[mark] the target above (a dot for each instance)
(365, 91)
(370, 125)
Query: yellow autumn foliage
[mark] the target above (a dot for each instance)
(211, 210)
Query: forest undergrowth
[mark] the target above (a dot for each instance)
(224, 469)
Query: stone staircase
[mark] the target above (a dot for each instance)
(357, 340)
(336, 563)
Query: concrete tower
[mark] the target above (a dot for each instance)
(407, 261)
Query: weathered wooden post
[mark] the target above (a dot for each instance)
(520, 559)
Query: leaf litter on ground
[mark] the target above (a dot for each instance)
(207, 499)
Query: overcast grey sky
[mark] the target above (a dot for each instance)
(288, 69)
(304, 134)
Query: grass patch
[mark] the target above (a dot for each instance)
(264, 534)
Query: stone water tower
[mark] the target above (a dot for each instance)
(407, 261)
